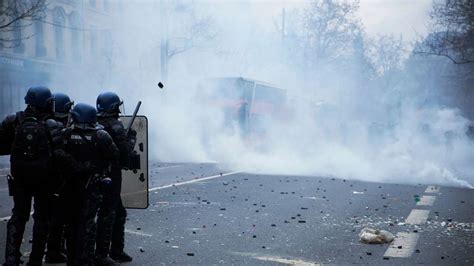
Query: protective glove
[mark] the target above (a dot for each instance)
(132, 136)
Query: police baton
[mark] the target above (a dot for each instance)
(134, 116)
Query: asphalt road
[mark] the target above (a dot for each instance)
(247, 219)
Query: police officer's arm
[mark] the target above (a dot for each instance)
(108, 148)
(122, 142)
(7, 134)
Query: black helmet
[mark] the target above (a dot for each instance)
(109, 102)
(84, 114)
(62, 103)
(40, 97)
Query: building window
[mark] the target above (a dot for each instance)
(39, 37)
(93, 41)
(59, 23)
(18, 45)
(107, 5)
(75, 22)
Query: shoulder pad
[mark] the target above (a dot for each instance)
(11, 118)
(102, 134)
(118, 127)
(51, 123)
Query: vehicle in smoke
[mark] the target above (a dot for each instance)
(248, 105)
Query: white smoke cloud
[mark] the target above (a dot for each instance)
(352, 135)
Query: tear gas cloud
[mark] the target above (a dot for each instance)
(336, 122)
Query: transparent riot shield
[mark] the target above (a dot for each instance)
(135, 182)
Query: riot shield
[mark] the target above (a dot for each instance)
(135, 182)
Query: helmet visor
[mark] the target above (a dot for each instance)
(121, 107)
(50, 105)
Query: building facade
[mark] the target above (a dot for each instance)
(72, 36)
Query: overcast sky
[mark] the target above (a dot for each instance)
(406, 17)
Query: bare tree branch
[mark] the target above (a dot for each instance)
(18, 14)
(452, 32)
(330, 28)
(454, 60)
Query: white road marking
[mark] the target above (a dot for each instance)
(426, 201)
(417, 216)
(168, 167)
(193, 181)
(403, 246)
(432, 189)
(132, 232)
(278, 259)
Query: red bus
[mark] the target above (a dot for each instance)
(250, 104)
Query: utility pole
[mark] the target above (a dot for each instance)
(164, 43)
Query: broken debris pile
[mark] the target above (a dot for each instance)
(374, 236)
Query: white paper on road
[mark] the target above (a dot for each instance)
(373, 236)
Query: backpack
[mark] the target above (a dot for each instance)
(83, 146)
(31, 156)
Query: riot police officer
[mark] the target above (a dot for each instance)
(62, 191)
(33, 138)
(108, 107)
(62, 107)
(87, 143)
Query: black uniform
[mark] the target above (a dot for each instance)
(95, 148)
(125, 144)
(61, 213)
(30, 180)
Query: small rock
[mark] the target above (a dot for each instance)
(190, 254)
(141, 249)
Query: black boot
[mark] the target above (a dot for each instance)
(104, 261)
(15, 230)
(121, 257)
(55, 257)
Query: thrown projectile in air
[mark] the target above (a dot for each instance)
(161, 85)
